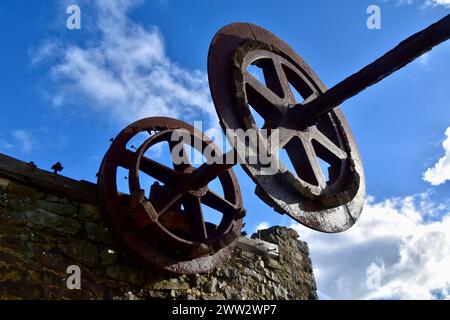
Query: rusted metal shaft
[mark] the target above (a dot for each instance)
(208, 172)
(404, 53)
(305, 114)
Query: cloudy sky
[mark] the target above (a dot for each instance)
(65, 93)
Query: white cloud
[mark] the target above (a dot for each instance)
(48, 48)
(394, 252)
(424, 59)
(18, 141)
(5, 146)
(23, 140)
(440, 172)
(426, 3)
(262, 225)
(374, 274)
(445, 3)
(124, 74)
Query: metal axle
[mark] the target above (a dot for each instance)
(208, 172)
(404, 53)
(306, 114)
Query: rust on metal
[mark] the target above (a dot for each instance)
(164, 227)
(326, 201)
(404, 53)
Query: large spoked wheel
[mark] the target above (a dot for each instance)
(320, 179)
(161, 220)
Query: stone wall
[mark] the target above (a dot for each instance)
(49, 222)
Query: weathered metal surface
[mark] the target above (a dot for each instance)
(407, 51)
(167, 230)
(328, 206)
(86, 192)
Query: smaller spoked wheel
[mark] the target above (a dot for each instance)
(156, 212)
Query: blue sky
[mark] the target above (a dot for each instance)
(65, 93)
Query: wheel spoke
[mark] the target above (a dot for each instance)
(310, 98)
(193, 208)
(327, 143)
(182, 163)
(215, 201)
(303, 158)
(264, 100)
(314, 163)
(154, 169)
(283, 81)
(284, 137)
(162, 205)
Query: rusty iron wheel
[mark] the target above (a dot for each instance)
(329, 201)
(164, 227)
